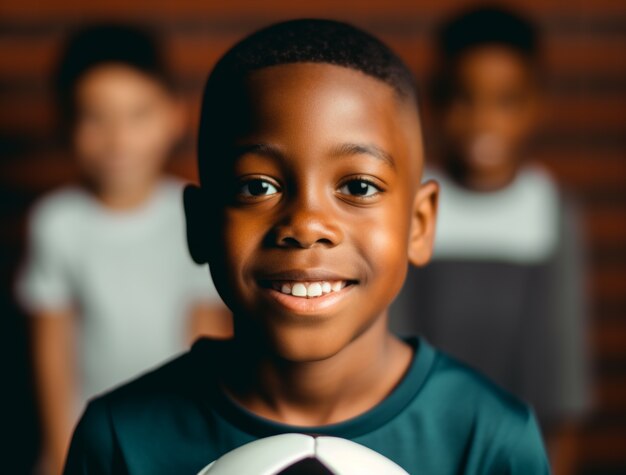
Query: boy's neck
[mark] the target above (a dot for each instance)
(323, 392)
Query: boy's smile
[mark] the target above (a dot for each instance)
(317, 224)
(307, 292)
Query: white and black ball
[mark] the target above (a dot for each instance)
(300, 454)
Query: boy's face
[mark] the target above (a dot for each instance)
(492, 110)
(126, 123)
(325, 201)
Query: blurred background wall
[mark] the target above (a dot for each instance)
(583, 143)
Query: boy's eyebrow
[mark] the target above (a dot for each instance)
(267, 149)
(368, 149)
(261, 148)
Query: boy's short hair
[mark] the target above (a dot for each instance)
(99, 44)
(295, 41)
(487, 25)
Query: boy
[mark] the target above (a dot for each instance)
(310, 158)
(507, 244)
(108, 279)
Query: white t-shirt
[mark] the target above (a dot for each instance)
(128, 275)
(518, 223)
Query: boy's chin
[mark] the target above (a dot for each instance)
(307, 346)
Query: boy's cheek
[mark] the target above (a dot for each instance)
(384, 246)
(239, 238)
(241, 228)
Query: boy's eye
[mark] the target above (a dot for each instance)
(257, 187)
(359, 188)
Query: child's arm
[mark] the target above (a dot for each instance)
(53, 352)
(571, 344)
(44, 289)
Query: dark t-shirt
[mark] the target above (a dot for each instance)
(442, 418)
(505, 292)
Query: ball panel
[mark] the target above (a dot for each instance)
(345, 457)
(263, 456)
(308, 466)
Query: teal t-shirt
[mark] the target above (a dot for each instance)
(443, 418)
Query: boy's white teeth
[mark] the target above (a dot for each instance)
(314, 290)
(298, 290)
(309, 289)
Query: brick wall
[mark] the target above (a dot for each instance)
(583, 142)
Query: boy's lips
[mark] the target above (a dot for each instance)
(306, 305)
(310, 291)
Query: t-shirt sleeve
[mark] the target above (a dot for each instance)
(571, 319)
(554, 372)
(92, 448)
(523, 453)
(43, 282)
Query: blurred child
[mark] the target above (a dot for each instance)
(504, 291)
(108, 277)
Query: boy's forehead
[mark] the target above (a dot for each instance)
(325, 100)
(337, 80)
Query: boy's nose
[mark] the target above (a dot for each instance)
(306, 228)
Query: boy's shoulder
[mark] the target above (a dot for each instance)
(472, 392)
(445, 375)
(174, 382)
(442, 403)
(130, 425)
(178, 385)
(450, 392)
(448, 389)
(479, 421)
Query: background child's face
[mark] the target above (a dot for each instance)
(324, 180)
(126, 123)
(492, 109)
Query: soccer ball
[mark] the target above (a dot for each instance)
(292, 454)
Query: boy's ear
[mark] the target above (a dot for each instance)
(198, 236)
(423, 220)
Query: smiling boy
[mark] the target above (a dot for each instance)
(310, 160)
